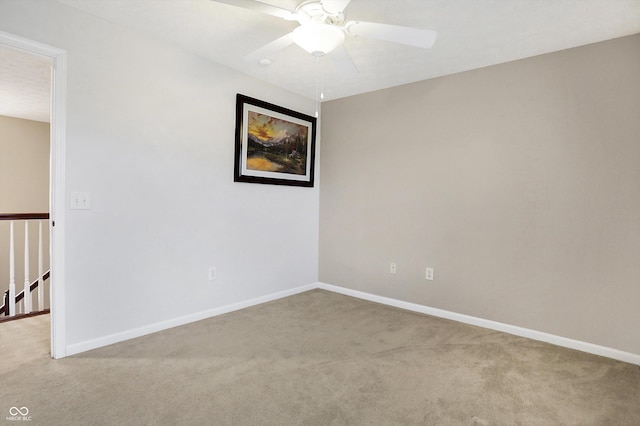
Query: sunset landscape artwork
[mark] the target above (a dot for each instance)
(276, 145)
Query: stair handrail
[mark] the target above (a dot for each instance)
(23, 216)
(4, 308)
(8, 307)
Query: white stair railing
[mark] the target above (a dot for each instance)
(23, 301)
(40, 263)
(26, 304)
(12, 273)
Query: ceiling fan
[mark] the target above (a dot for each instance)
(323, 29)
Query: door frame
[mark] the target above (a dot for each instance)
(58, 108)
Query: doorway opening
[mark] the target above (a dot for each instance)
(57, 60)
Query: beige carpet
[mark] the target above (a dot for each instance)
(320, 358)
(23, 342)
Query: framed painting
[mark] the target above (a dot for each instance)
(274, 145)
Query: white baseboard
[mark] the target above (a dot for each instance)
(77, 348)
(493, 325)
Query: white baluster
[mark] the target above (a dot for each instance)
(12, 274)
(40, 282)
(27, 291)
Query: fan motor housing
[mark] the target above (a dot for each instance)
(313, 11)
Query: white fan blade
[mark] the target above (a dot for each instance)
(343, 62)
(334, 6)
(269, 49)
(395, 33)
(258, 6)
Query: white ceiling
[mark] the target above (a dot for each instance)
(471, 34)
(25, 85)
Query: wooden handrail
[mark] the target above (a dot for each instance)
(23, 216)
(20, 296)
(33, 286)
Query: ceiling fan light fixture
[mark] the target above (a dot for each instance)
(317, 38)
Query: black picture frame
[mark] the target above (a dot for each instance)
(273, 145)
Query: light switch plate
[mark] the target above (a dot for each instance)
(80, 200)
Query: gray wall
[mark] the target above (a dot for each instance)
(519, 183)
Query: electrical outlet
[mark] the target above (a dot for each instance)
(212, 273)
(429, 274)
(392, 268)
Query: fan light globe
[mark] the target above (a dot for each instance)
(318, 39)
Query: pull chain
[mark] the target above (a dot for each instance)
(319, 86)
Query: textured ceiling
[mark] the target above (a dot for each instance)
(471, 34)
(25, 85)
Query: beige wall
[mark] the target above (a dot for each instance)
(519, 183)
(24, 188)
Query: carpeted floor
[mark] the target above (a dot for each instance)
(320, 358)
(22, 342)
